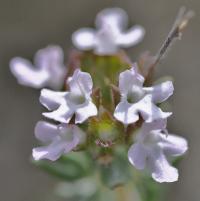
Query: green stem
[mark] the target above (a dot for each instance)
(121, 193)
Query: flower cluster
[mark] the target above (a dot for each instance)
(136, 105)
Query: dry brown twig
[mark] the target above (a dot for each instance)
(175, 33)
(180, 24)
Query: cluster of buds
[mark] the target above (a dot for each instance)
(103, 101)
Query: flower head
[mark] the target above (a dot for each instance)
(76, 101)
(110, 33)
(49, 69)
(58, 140)
(136, 99)
(151, 149)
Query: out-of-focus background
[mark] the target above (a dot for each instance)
(27, 25)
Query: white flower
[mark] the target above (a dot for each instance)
(136, 99)
(151, 149)
(77, 101)
(49, 69)
(58, 140)
(110, 34)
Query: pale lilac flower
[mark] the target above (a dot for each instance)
(110, 34)
(153, 147)
(77, 101)
(48, 70)
(57, 140)
(136, 99)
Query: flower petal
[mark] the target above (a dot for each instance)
(113, 16)
(132, 37)
(83, 113)
(26, 74)
(173, 145)
(161, 170)
(51, 152)
(69, 136)
(79, 134)
(149, 111)
(126, 113)
(137, 156)
(60, 144)
(52, 99)
(76, 139)
(160, 92)
(45, 131)
(110, 22)
(158, 124)
(84, 39)
(105, 41)
(49, 57)
(63, 114)
(128, 78)
(80, 83)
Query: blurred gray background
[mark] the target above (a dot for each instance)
(27, 25)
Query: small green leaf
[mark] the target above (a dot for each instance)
(117, 172)
(81, 190)
(149, 189)
(69, 168)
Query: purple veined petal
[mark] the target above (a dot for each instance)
(137, 156)
(83, 113)
(126, 113)
(128, 78)
(132, 37)
(80, 83)
(63, 114)
(45, 132)
(26, 74)
(84, 39)
(50, 57)
(51, 152)
(52, 99)
(173, 145)
(149, 111)
(160, 168)
(160, 92)
(114, 16)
